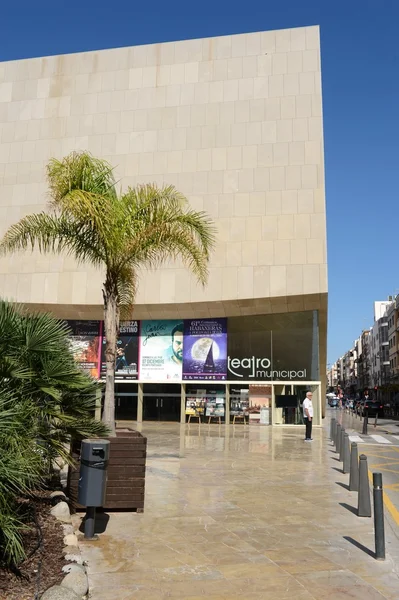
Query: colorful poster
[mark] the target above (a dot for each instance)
(85, 344)
(215, 405)
(127, 352)
(161, 350)
(205, 349)
(195, 403)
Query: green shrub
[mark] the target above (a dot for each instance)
(46, 400)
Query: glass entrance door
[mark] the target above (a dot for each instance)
(126, 395)
(161, 402)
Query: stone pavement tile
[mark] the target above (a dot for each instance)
(249, 571)
(334, 585)
(188, 589)
(385, 584)
(146, 580)
(187, 573)
(300, 560)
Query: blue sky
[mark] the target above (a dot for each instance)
(360, 63)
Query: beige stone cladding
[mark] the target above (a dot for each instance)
(235, 122)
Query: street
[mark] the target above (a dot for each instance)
(381, 446)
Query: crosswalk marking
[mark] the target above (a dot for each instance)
(380, 439)
(356, 438)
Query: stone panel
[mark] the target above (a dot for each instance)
(234, 122)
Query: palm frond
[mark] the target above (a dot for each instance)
(54, 234)
(127, 288)
(79, 171)
(162, 227)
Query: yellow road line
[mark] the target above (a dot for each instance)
(394, 512)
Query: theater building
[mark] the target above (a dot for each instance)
(235, 123)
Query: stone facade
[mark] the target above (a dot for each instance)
(235, 122)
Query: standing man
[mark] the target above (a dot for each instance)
(308, 416)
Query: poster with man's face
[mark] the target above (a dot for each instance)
(161, 350)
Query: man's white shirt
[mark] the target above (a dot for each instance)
(307, 404)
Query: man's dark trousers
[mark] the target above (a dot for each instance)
(308, 425)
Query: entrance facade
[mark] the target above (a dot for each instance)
(254, 369)
(255, 404)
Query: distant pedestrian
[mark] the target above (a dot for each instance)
(308, 416)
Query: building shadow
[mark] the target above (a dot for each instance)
(360, 546)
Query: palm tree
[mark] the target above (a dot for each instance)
(116, 232)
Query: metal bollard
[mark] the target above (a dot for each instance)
(90, 523)
(354, 469)
(341, 447)
(338, 439)
(363, 502)
(379, 532)
(332, 422)
(335, 432)
(365, 420)
(347, 454)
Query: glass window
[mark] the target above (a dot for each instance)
(274, 347)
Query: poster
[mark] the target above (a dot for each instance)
(195, 403)
(215, 405)
(85, 344)
(205, 349)
(127, 352)
(260, 399)
(161, 350)
(239, 402)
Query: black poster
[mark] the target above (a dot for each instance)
(275, 347)
(127, 353)
(249, 350)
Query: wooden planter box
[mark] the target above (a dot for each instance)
(126, 472)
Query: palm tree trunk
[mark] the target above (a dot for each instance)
(111, 328)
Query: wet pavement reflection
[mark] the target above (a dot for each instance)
(241, 511)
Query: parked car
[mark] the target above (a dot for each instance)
(333, 402)
(374, 408)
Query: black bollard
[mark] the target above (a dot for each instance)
(90, 522)
(332, 427)
(338, 439)
(363, 502)
(335, 432)
(341, 447)
(379, 533)
(354, 469)
(365, 420)
(347, 455)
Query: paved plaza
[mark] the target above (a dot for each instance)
(241, 511)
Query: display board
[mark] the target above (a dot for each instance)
(273, 347)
